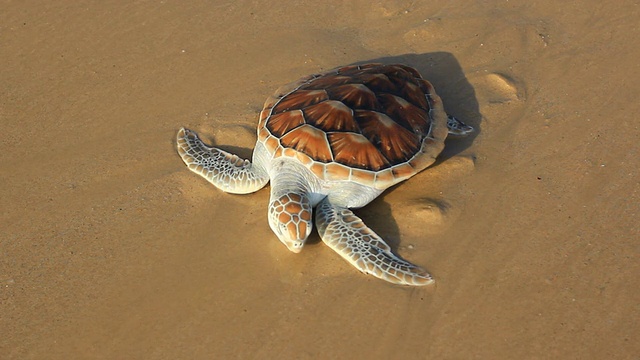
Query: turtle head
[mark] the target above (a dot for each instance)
(290, 220)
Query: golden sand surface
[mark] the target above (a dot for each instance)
(111, 249)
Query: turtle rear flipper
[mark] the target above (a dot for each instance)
(457, 127)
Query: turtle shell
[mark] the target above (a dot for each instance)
(373, 124)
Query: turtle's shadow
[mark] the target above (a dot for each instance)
(444, 72)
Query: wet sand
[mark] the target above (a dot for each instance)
(111, 249)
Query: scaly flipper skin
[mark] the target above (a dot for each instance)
(457, 127)
(345, 233)
(226, 171)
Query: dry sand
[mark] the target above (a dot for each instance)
(111, 249)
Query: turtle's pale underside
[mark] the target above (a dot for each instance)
(335, 141)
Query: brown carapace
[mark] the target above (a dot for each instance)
(370, 117)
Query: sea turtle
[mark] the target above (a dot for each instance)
(335, 141)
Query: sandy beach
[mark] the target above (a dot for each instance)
(110, 248)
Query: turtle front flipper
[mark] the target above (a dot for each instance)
(347, 234)
(457, 127)
(226, 171)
